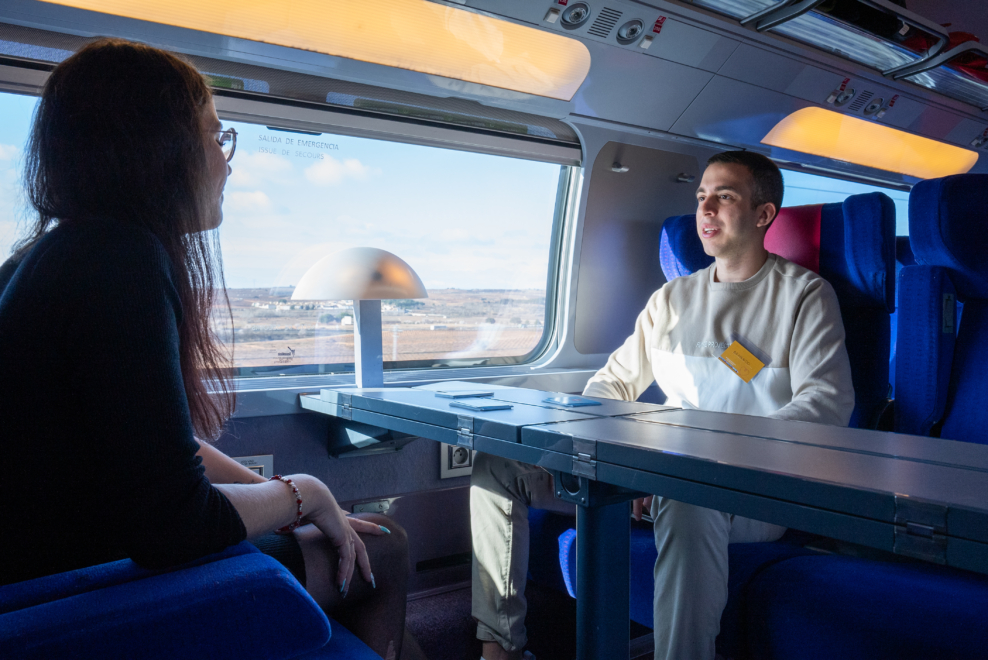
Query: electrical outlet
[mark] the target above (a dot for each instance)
(454, 461)
(263, 465)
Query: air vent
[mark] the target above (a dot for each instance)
(575, 15)
(860, 101)
(629, 32)
(605, 22)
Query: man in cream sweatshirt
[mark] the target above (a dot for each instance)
(783, 314)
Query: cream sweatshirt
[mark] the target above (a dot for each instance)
(786, 315)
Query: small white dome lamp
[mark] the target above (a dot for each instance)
(366, 276)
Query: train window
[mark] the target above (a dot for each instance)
(804, 188)
(477, 228)
(16, 111)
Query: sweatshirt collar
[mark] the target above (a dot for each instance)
(747, 284)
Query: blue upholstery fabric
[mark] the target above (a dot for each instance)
(903, 257)
(946, 218)
(680, 249)
(942, 388)
(829, 606)
(22, 595)
(857, 250)
(857, 257)
(237, 604)
(544, 530)
(966, 414)
(343, 645)
(923, 347)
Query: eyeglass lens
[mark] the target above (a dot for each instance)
(228, 142)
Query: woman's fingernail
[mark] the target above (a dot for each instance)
(384, 529)
(343, 586)
(373, 582)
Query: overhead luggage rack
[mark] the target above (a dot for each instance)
(960, 73)
(875, 33)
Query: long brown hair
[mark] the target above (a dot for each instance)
(117, 135)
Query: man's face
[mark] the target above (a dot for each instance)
(726, 220)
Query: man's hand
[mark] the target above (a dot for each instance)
(641, 504)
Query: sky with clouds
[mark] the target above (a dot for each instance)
(461, 220)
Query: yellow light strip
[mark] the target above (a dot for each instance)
(833, 135)
(407, 34)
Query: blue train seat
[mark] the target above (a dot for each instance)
(830, 606)
(235, 604)
(941, 388)
(903, 257)
(862, 272)
(847, 608)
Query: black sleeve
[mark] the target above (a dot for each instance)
(125, 345)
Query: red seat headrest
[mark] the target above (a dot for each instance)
(795, 235)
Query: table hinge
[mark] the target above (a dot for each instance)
(340, 401)
(584, 466)
(464, 431)
(920, 529)
(584, 458)
(586, 448)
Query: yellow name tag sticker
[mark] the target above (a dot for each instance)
(740, 360)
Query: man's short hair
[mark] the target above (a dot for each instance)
(767, 178)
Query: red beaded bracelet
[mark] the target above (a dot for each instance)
(298, 500)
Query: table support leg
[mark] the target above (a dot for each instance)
(602, 549)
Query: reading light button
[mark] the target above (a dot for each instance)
(646, 41)
(552, 15)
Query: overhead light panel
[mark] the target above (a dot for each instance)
(407, 34)
(854, 43)
(833, 135)
(738, 8)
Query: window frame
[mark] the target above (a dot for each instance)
(308, 117)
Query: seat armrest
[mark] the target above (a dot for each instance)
(246, 606)
(72, 583)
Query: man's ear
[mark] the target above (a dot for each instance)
(766, 214)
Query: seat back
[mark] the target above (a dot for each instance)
(942, 354)
(851, 245)
(903, 257)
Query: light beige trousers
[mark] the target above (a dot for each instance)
(690, 572)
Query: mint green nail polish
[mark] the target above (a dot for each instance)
(373, 582)
(343, 586)
(384, 529)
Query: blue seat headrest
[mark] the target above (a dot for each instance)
(680, 250)
(946, 228)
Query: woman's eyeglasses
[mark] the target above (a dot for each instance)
(228, 142)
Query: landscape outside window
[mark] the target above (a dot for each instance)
(476, 228)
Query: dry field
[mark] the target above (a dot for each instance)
(412, 344)
(450, 324)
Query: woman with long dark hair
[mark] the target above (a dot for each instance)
(109, 369)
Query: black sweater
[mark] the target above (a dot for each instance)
(95, 432)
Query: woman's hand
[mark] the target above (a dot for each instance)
(365, 526)
(332, 521)
(271, 505)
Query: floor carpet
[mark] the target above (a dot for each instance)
(446, 631)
